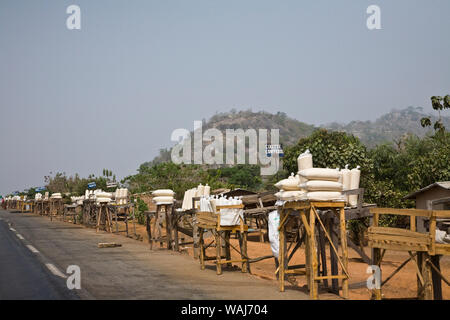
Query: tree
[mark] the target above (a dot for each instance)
(330, 149)
(438, 104)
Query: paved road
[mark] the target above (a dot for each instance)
(128, 272)
(23, 275)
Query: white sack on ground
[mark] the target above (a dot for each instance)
(274, 236)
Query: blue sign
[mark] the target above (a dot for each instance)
(39, 189)
(92, 185)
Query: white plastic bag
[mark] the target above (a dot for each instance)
(274, 236)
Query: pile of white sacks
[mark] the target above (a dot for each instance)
(228, 216)
(163, 196)
(56, 196)
(200, 191)
(38, 196)
(77, 200)
(121, 196)
(319, 184)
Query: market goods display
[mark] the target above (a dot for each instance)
(163, 196)
(199, 191)
(121, 196)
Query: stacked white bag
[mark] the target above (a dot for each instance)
(102, 197)
(200, 191)
(56, 196)
(322, 184)
(121, 196)
(290, 189)
(163, 196)
(38, 196)
(77, 200)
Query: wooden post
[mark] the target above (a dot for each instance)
(323, 256)
(344, 250)
(244, 255)
(427, 278)
(195, 236)
(149, 231)
(175, 231)
(376, 293)
(282, 254)
(436, 278)
(202, 249)
(218, 253)
(227, 236)
(333, 257)
(313, 292)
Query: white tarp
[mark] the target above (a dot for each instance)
(231, 217)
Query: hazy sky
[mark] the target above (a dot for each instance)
(109, 95)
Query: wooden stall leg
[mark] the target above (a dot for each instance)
(420, 287)
(126, 223)
(323, 256)
(308, 260)
(427, 278)
(99, 215)
(376, 293)
(218, 253)
(227, 236)
(437, 282)
(108, 219)
(344, 252)
(282, 253)
(244, 256)
(313, 292)
(149, 231)
(195, 238)
(202, 249)
(168, 227)
(176, 244)
(134, 222)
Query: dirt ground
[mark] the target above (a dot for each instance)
(402, 285)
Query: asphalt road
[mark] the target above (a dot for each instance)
(35, 254)
(23, 275)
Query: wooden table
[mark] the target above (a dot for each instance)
(123, 212)
(210, 221)
(307, 215)
(421, 246)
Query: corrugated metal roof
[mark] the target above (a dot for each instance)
(443, 184)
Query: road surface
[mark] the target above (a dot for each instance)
(35, 254)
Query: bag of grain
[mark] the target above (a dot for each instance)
(305, 161)
(320, 174)
(355, 175)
